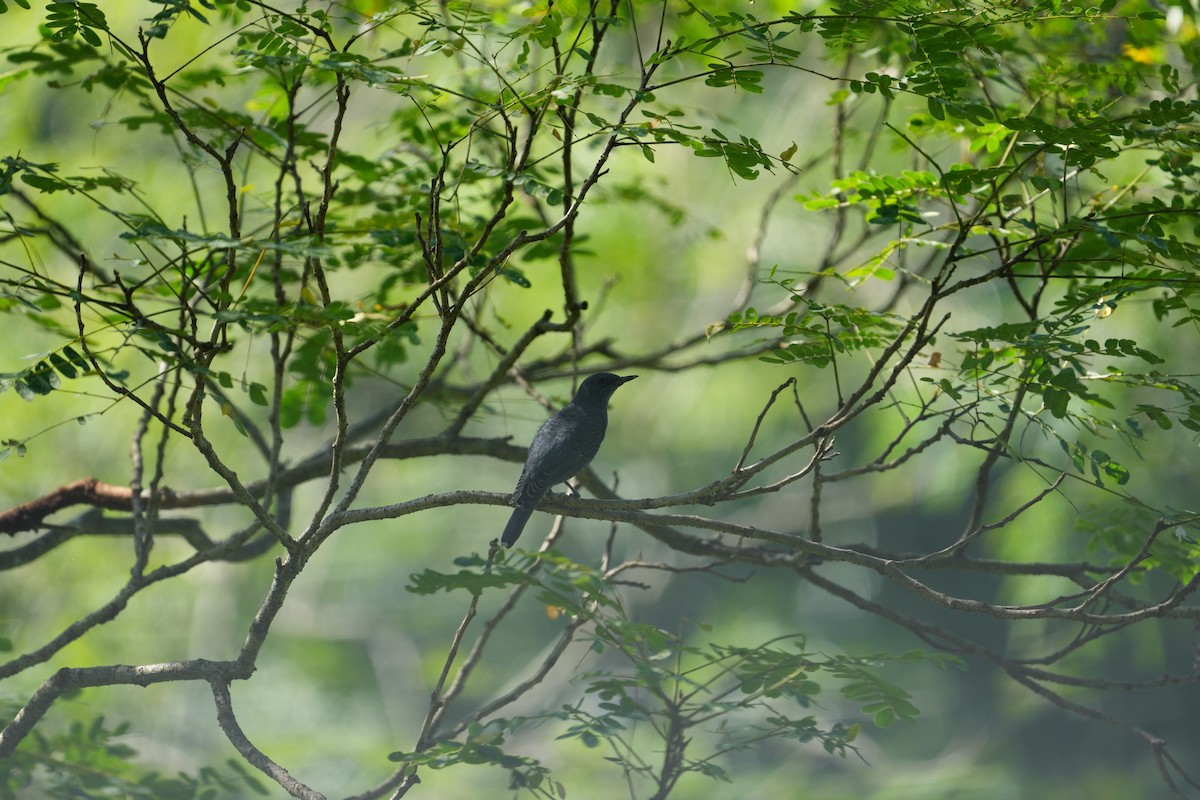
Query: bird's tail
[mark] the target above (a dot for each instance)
(516, 524)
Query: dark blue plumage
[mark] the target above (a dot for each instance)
(563, 446)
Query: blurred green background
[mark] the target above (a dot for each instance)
(345, 677)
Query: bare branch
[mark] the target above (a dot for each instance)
(233, 731)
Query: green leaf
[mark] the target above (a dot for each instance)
(514, 275)
(430, 581)
(1118, 473)
(1056, 401)
(258, 394)
(63, 365)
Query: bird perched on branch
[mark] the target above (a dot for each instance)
(563, 446)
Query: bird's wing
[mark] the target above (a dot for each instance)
(562, 448)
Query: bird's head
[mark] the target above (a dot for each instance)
(597, 389)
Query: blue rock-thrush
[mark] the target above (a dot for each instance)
(563, 446)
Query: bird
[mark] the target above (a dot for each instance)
(562, 447)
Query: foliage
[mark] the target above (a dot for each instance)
(728, 694)
(94, 761)
(344, 221)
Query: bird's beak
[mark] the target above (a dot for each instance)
(626, 379)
